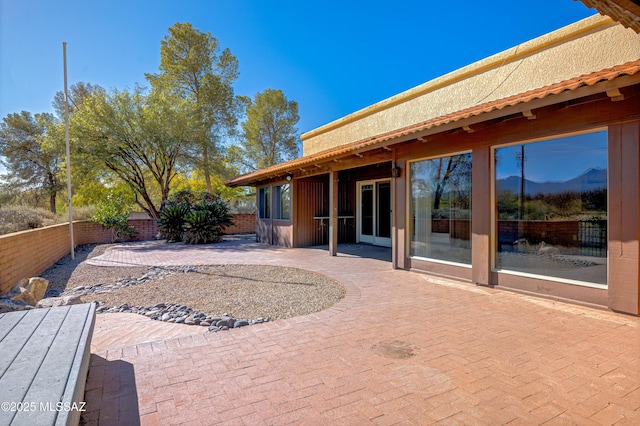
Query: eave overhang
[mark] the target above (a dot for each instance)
(606, 80)
(626, 12)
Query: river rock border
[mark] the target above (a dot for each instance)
(181, 314)
(166, 312)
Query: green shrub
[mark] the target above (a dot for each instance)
(194, 218)
(113, 215)
(22, 218)
(82, 212)
(200, 228)
(171, 222)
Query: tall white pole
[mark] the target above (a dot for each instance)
(66, 136)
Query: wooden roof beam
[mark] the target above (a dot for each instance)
(615, 95)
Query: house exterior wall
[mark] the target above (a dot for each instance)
(623, 129)
(593, 67)
(539, 62)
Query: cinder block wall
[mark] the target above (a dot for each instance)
(29, 253)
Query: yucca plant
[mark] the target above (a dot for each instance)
(201, 228)
(171, 224)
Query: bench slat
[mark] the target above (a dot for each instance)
(18, 327)
(57, 377)
(7, 322)
(47, 351)
(19, 375)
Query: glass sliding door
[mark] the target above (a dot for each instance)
(374, 212)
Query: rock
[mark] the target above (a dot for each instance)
(25, 297)
(37, 287)
(15, 290)
(50, 302)
(180, 320)
(72, 300)
(240, 323)
(165, 317)
(8, 305)
(226, 322)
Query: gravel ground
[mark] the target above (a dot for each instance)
(241, 291)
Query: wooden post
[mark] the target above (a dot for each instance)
(333, 213)
(482, 176)
(624, 201)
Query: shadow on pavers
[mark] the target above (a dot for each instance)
(110, 393)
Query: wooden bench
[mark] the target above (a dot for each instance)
(44, 360)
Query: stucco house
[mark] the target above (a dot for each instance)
(519, 171)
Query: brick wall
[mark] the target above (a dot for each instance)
(29, 253)
(243, 224)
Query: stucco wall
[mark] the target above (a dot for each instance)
(589, 45)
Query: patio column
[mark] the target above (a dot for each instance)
(481, 214)
(333, 213)
(624, 202)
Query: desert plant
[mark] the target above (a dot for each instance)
(200, 228)
(82, 212)
(194, 218)
(220, 211)
(171, 222)
(113, 214)
(21, 218)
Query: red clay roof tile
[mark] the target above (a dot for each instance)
(608, 74)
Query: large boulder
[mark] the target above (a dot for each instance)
(25, 297)
(37, 287)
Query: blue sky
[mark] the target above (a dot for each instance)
(555, 160)
(332, 57)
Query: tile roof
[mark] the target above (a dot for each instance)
(591, 79)
(627, 12)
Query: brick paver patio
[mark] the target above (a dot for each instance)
(401, 348)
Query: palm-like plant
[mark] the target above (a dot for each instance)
(194, 218)
(201, 228)
(171, 224)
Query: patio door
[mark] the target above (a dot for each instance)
(374, 212)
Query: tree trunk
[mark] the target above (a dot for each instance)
(207, 175)
(52, 202)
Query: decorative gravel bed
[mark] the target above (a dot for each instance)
(217, 296)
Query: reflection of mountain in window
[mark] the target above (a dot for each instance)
(551, 205)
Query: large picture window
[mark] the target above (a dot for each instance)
(441, 208)
(551, 208)
(264, 203)
(282, 203)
